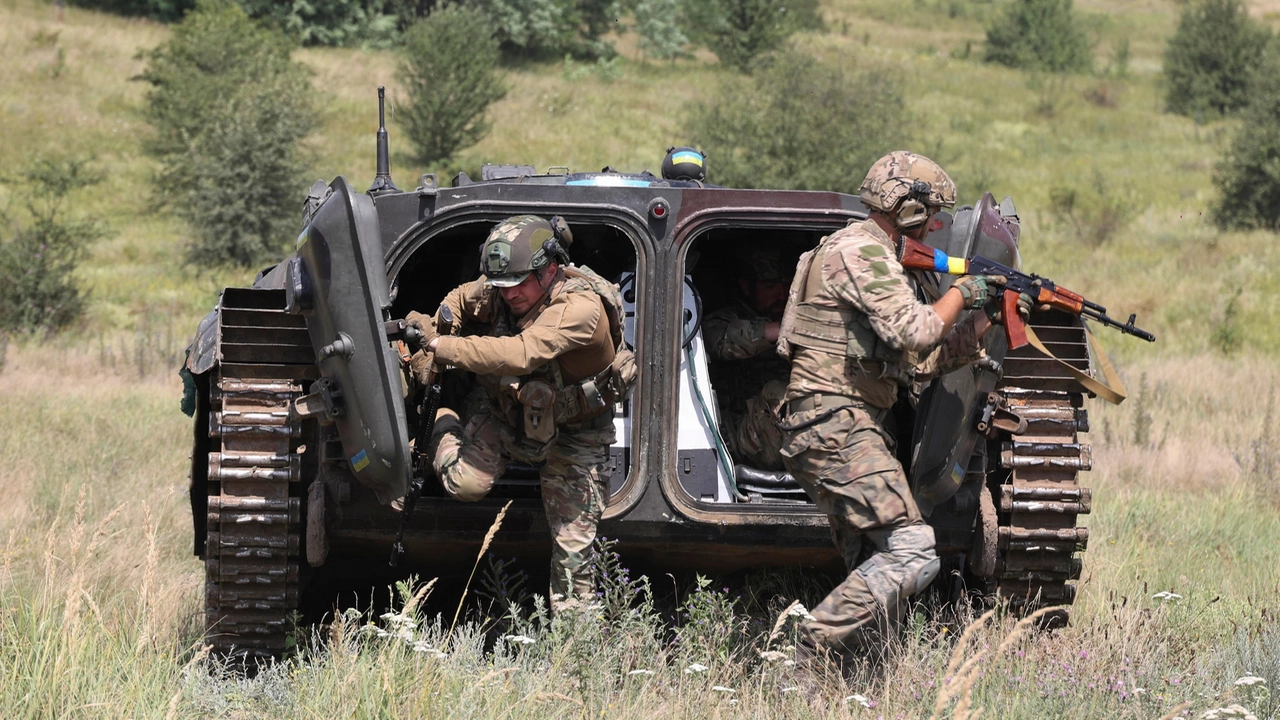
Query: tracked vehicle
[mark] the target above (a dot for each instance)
(302, 425)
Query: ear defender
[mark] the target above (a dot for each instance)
(913, 211)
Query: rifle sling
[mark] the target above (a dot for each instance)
(1112, 390)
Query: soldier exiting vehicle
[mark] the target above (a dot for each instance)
(550, 359)
(749, 377)
(856, 335)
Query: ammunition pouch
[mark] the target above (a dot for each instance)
(538, 399)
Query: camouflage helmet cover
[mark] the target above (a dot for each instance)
(761, 264)
(519, 245)
(890, 179)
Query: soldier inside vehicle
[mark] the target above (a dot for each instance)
(448, 259)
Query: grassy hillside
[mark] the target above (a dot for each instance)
(100, 601)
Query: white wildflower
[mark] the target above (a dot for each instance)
(788, 663)
(1249, 680)
(1139, 691)
(423, 646)
(519, 639)
(1230, 712)
(800, 612)
(772, 656)
(640, 672)
(695, 668)
(723, 689)
(1165, 595)
(860, 699)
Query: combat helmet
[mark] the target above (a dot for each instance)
(761, 264)
(684, 163)
(907, 187)
(521, 244)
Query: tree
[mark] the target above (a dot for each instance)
(38, 258)
(1038, 35)
(658, 23)
(449, 70)
(739, 31)
(229, 110)
(530, 29)
(1210, 62)
(1248, 176)
(800, 124)
(162, 10)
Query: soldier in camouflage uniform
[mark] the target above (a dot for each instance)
(545, 356)
(750, 379)
(856, 334)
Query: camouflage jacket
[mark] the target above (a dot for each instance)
(742, 361)
(568, 336)
(859, 271)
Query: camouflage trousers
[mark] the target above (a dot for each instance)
(753, 436)
(468, 458)
(844, 464)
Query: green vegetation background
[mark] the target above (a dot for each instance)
(1186, 483)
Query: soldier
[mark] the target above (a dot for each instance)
(545, 358)
(856, 335)
(749, 377)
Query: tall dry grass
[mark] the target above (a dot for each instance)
(100, 597)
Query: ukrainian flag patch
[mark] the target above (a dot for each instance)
(687, 157)
(360, 461)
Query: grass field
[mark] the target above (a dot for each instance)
(100, 598)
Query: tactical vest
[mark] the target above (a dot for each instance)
(843, 331)
(584, 383)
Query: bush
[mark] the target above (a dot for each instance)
(38, 258)
(343, 23)
(229, 109)
(658, 24)
(1038, 35)
(541, 29)
(739, 31)
(162, 10)
(1210, 61)
(800, 124)
(450, 72)
(1248, 176)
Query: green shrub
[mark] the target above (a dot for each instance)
(450, 71)
(39, 254)
(162, 10)
(1210, 61)
(1038, 35)
(344, 23)
(740, 31)
(541, 29)
(1248, 176)
(658, 25)
(229, 109)
(800, 124)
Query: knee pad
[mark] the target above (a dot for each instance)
(905, 565)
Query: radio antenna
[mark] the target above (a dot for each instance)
(382, 181)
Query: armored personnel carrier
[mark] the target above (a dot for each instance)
(302, 427)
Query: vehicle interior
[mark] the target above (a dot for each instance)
(722, 282)
(452, 257)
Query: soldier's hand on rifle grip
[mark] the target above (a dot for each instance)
(976, 290)
(994, 308)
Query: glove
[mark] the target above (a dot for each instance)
(420, 364)
(976, 289)
(995, 310)
(425, 324)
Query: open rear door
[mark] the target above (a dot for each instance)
(338, 281)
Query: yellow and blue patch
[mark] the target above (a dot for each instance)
(360, 461)
(687, 157)
(944, 263)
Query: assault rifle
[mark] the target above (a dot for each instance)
(426, 423)
(915, 255)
